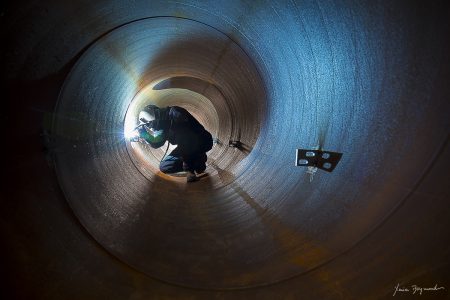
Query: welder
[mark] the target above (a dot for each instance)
(176, 125)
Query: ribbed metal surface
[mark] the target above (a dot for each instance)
(368, 80)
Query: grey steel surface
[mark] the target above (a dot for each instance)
(369, 80)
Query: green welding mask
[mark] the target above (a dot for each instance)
(150, 135)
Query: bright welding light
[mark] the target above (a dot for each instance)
(131, 134)
(136, 105)
(129, 131)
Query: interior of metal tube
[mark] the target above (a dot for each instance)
(87, 215)
(210, 76)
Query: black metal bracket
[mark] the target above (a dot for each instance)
(324, 160)
(235, 144)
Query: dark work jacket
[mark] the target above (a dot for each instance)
(182, 129)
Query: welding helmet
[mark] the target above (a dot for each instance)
(149, 113)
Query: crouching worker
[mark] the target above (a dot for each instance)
(180, 128)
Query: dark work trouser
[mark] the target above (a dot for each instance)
(174, 163)
(186, 159)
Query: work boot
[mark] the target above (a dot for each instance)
(200, 170)
(191, 177)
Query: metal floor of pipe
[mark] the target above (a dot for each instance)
(85, 215)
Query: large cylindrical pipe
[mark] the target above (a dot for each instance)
(367, 80)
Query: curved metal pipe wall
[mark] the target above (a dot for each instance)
(365, 79)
